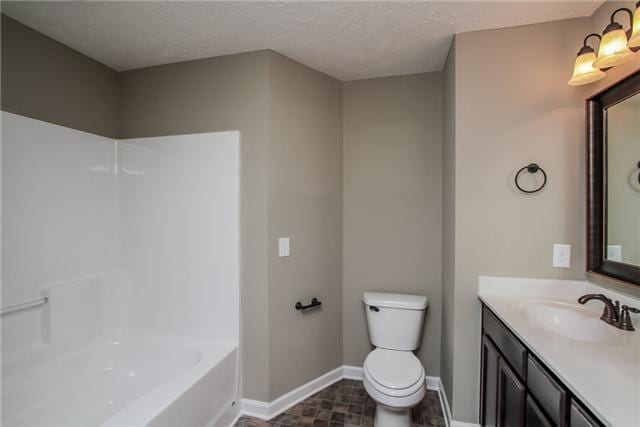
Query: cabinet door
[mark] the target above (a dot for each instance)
(488, 383)
(534, 415)
(551, 395)
(579, 416)
(511, 397)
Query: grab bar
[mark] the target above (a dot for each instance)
(23, 305)
(314, 303)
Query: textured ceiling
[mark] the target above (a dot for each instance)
(345, 39)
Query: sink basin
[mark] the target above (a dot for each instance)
(568, 320)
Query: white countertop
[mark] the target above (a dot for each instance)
(605, 377)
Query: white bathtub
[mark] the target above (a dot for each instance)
(135, 380)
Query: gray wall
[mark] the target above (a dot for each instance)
(448, 219)
(305, 204)
(46, 80)
(512, 108)
(392, 197)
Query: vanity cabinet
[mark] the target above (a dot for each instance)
(511, 396)
(489, 381)
(517, 389)
(534, 416)
(580, 417)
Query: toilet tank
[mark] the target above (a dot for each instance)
(395, 320)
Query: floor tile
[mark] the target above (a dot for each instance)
(345, 404)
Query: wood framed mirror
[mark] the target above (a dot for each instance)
(613, 181)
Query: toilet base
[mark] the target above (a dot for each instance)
(386, 417)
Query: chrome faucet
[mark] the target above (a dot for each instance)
(612, 313)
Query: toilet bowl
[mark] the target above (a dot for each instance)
(393, 375)
(395, 380)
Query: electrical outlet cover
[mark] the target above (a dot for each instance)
(562, 256)
(614, 253)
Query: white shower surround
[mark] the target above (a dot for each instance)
(179, 216)
(134, 242)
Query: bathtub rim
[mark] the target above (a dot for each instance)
(144, 408)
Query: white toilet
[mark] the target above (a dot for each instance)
(393, 375)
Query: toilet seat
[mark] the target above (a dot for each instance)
(394, 373)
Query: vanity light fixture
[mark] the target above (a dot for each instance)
(583, 71)
(614, 49)
(634, 40)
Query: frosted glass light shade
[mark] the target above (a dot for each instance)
(613, 48)
(634, 40)
(583, 71)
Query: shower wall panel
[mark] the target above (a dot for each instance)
(137, 234)
(59, 216)
(179, 205)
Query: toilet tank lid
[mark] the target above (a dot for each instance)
(403, 301)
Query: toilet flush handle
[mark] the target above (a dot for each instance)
(373, 308)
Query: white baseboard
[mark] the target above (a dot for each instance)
(269, 410)
(446, 410)
(256, 409)
(353, 372)
(433, 383)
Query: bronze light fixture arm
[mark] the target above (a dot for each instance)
(598, 36)
(613, 15)
(613, 25)
(585, 47)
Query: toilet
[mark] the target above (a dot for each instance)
(393, 375)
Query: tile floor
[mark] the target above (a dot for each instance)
(345, 403)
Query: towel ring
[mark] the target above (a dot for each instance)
(638, 172)
(534, 168)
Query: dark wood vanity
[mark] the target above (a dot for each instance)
(517, 389)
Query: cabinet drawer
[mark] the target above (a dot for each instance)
(551, 395)
(506, 342)
(579, 417)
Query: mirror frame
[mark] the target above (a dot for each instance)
(597, 180)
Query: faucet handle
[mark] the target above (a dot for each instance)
(625, 319)
(611, 312)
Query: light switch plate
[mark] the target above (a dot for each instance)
(562, 256)
(283, 247)
(614, 253)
